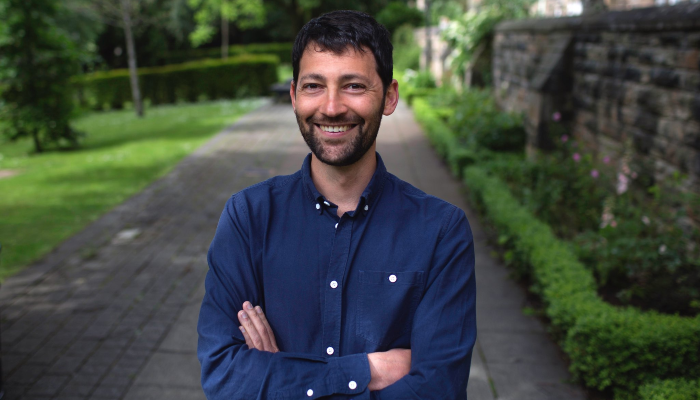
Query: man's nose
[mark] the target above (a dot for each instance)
(333, 105)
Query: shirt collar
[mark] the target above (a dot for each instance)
(369, 195)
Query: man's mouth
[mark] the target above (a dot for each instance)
(335, 128)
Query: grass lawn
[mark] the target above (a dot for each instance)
(55, 194)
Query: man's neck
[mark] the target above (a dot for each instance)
(344, 185)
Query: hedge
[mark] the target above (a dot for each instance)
(677, 389)
(248, 75)
(281, 50)
(610, 348)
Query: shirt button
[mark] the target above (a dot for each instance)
(327, 203)
(318, 206)
(334, 285)
(366, 207)
(336, 226)
(310, 392)
(352, 385)
(392, 278)
(330, 351)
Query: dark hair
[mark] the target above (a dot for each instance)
(336, 30)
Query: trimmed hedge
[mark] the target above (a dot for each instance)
(248, 75)
(677, 389)
(281, 50)
(610, 348)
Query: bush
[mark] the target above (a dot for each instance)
(677, 389)
(281, 50)
(248, 75)
(476, 118)
(611, 349)
(397, 13)
(406, 51)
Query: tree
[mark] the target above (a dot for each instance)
(38, 60)
(245, 14)
(127, 15)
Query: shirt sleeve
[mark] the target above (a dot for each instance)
(230, 370)
(444, 328)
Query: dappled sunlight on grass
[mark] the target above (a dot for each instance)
(57, 193)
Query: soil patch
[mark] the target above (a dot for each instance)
(6, 173)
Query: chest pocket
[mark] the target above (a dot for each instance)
(386, 304)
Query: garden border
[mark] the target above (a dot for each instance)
(609, 347)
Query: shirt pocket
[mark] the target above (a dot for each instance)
(386, 304)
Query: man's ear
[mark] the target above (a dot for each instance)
(391, 99)
(292, 94)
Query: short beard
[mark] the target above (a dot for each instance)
(355, 150)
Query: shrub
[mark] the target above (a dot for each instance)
(397, 13)
(676, 389)
(611, 348)
(248, 75)
(406, 51)
(281, 50)
(477, 119)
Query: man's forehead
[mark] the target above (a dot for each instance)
(313, 50)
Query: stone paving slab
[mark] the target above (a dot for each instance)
(111, 313)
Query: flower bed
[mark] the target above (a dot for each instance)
(611, 348)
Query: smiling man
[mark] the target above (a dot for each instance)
(341, 280)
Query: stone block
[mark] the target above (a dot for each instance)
(643, 142)
(691, 135)
(689, 80)
(665, 77)
(670, 129)
(689, 59)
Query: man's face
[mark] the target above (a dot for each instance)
(339, 101)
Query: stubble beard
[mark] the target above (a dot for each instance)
(354, 150)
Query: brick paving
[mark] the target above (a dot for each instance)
(111, 313)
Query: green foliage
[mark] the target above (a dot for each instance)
(476, 118)
(37, 62)
(56, 194)
(281, 50)
(245, 14)
(397, 14)
(406, 51)
(473, 30)
(611, 349)
(676, 389)
(248, 75)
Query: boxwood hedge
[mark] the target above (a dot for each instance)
(246, 75)
(616, 349)
(281, 50)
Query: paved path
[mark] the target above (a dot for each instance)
(111, 314)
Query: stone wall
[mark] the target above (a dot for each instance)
(620, 80)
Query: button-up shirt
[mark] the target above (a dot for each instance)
(397, 272)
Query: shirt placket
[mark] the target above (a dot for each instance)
(335, 280)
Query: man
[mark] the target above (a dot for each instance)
(339, 281)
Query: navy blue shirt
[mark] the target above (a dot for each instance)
(397, 272)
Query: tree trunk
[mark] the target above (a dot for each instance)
(37, 142)
(130, 49)
(224, 36)
(428, 38)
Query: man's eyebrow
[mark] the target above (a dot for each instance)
(313, 77)
(352, 77)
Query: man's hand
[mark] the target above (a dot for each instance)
(388, 367)
(256, 330)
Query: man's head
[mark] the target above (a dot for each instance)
(342, 85)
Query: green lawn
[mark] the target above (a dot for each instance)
(56, 194)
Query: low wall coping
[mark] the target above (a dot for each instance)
(684, 16)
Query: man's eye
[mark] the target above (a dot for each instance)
(311, 86)
(355, 86)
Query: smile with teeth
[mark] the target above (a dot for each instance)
(328, 128)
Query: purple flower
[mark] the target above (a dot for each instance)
(564, 138)
(576, 157)
(594, 173)
(556, 116)
(606, 160)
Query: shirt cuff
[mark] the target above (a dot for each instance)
(349, 376)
